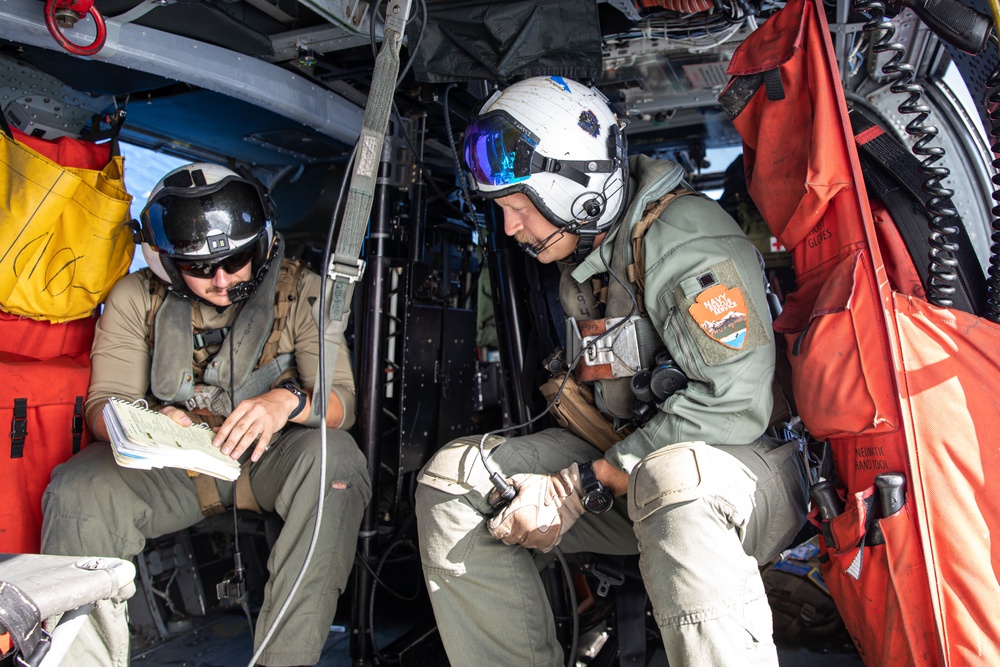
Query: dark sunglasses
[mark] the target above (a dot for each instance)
(230, 264)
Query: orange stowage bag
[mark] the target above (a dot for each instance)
(841, 365)
(951, 375)
(67, 151)
(45, 340)
(895, 384)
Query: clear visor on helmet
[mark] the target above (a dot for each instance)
(498, 149)
(211, 220)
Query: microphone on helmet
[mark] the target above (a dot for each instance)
(248, 288)
(242, 291)
(534, 251)
(592, 208)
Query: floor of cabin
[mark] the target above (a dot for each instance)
(223, 640)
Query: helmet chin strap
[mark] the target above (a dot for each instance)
(585, 244)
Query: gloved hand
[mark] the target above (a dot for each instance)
(545, 507)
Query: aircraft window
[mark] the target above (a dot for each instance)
(143, 168)
(718, 160)
(953, 79)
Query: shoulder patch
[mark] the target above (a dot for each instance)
(721, 312)
(721, 323)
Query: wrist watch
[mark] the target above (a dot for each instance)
(596, 497)
(291, 386)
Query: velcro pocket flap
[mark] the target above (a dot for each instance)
(666, 477)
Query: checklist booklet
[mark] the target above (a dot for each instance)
(144, 439)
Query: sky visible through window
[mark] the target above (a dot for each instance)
(143, 168)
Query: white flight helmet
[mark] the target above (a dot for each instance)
(201, 216)
(558, 142)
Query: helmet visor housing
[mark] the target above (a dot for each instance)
(556, 141)
(499, 150)
(208, 222)
(201, 217)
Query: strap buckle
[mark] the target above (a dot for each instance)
(18, 428)
(341, 270)
(210, 337)
(77, 424)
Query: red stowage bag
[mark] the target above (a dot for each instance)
(45, 371)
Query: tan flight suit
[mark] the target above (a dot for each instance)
(93, 507)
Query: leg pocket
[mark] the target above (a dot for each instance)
(457, 468)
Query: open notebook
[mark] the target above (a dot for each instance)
(144, 439)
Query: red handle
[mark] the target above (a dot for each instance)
(81, 8)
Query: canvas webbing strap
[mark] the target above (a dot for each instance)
(208, 494)
(346, 267)
(211, 502)
(637, 269)
(243, 494)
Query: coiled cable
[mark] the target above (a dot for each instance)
(942, 217)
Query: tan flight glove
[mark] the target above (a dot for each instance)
(545, 507)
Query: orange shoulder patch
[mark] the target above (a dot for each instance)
(721, 312)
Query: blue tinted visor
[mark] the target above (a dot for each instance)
(498, 149)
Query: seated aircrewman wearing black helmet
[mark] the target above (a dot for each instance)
(219, 329)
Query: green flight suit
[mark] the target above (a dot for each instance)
(702, 516)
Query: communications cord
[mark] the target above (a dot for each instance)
(506, 492)
(323, 396)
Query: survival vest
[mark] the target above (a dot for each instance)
(285, 292)
(636, 271)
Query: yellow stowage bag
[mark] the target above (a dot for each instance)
(64, 238)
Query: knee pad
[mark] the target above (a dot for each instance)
(457, 468)
(688, 471)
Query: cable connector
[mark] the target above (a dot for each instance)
(503, 492)
(234, 586)
(231, 589)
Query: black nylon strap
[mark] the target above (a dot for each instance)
(77, 424)
(210, 337)
(20, 616)
(772, 84)
(575, 170)
(739, 93)
(19, 428)
(892, 175)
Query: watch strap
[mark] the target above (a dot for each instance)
(291, 386)
(588, 479)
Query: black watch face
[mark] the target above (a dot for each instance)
(598, 502)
